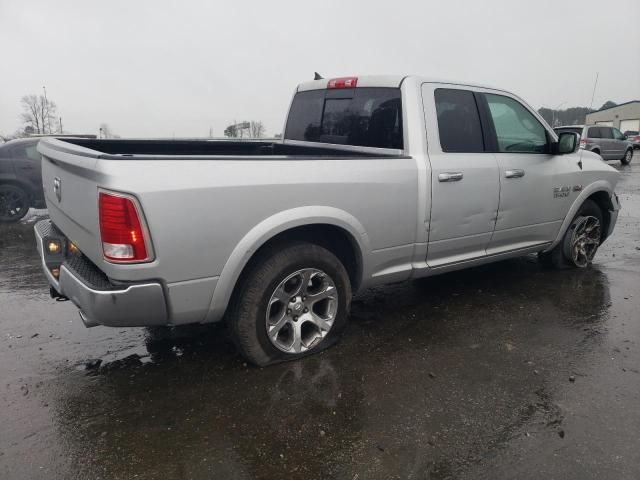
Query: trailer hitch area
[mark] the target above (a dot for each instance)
(57, 295)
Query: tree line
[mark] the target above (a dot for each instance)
(570, 116)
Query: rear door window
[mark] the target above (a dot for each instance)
(606, 132)
(459, 124)
(366, 117)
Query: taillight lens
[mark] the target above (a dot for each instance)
(583, 142)
(344, 82)
(121, 232)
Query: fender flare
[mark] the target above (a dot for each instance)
(269, 228)
(597, 186)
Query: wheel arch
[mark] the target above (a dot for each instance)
(599, 192)
(11, 180)
(332, 228)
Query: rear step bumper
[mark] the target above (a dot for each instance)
(100, 301)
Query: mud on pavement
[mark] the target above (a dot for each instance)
(504, 371)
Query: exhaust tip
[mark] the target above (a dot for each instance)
(87, 322)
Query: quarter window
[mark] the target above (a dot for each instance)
(458, 121)
(517, 130)
(594, 132)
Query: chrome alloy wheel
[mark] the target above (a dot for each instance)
(584, 241)
(301, 310)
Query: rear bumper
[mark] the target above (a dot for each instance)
(101, 302)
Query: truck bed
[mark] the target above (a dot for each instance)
(224, 148)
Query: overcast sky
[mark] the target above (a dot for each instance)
(156, 68)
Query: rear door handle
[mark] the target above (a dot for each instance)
(450, 177)
(515, 173)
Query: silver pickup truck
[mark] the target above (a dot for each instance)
(377, 179)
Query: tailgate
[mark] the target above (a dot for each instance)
(70, 184)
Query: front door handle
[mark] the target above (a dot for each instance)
(450, 177)
(515, 173)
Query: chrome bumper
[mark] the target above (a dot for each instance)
(132, 305)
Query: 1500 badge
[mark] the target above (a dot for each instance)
(560, 192)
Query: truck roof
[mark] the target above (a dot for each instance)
(389, 81)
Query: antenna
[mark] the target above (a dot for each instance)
(317, 76)
(594, 91)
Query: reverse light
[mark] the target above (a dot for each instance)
(342, 82)
(121, 232)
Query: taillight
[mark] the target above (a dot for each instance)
(121, 232)
(583, 142)
(343, 82)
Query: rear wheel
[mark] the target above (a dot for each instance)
(580, 242)
(628, 155)
(14, 203)
(294, 301)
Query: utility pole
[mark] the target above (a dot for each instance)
(60, 125)
(46, 103)
(594, 91)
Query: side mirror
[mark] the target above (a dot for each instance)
(568, 142)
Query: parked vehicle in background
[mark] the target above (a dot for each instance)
(606, 141)
(634, 137)
(377, 180)
(20, 178)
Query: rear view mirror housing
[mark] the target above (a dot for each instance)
(568, 142)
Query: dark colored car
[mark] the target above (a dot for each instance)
(20, 179)
(634, 137)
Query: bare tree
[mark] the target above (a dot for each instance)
(38, 113)
(231, 131)
(256, 129)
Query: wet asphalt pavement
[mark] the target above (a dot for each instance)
(504, 371)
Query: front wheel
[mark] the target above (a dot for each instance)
(628, 155)
(294, 301)
(14, 203)
(580, 242)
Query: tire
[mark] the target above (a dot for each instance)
(14, 203)
(628, 155)
(277, 293)
(580, 242)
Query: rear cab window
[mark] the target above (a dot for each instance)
(363, 116)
